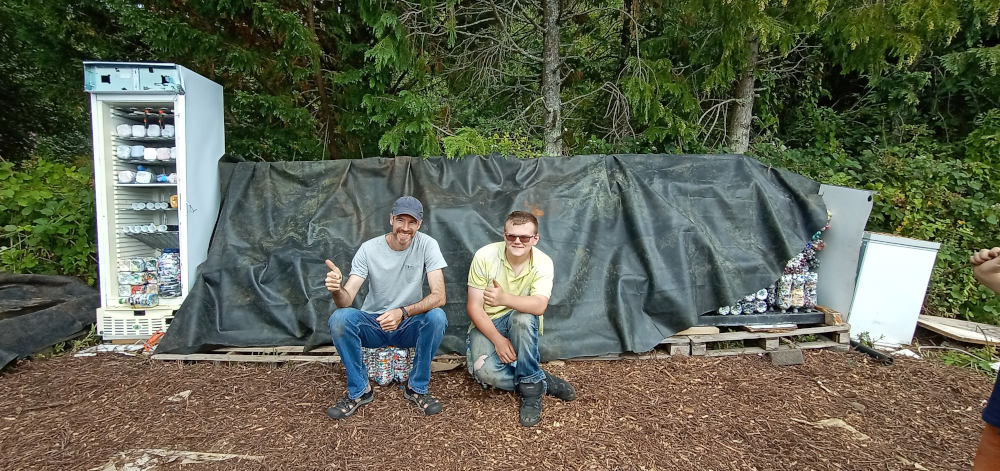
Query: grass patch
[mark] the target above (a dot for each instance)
(977, 359)
(72, 345)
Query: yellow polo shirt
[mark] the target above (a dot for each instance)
(489, 263)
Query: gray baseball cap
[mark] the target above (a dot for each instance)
(408, 205)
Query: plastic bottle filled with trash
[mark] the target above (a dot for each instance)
(168, 269)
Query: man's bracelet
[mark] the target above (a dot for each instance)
(405, 314)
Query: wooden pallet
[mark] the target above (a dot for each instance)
(325, 354)
(836, 337)
(831, 336)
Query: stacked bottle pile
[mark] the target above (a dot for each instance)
(794, 290)
(168, 269)
(388, 364)
(137, 282)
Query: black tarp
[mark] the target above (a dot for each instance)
(38, 311)
(642, 244)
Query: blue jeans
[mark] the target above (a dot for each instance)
(352, 329)
(522, 331)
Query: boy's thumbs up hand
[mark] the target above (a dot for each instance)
(493, 295)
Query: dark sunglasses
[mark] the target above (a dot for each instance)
(524, 238)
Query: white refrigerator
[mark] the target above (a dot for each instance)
(158, 135)
(893, 273)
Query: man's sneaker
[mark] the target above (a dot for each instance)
(428, 404)
(347, 406)
(531, 402)
(558, 387)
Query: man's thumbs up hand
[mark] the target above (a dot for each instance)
(494, 295)
(333, 277)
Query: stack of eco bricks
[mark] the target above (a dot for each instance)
(388, 364)
(795, 290)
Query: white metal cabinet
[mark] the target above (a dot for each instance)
(146, 94)
(892, 281)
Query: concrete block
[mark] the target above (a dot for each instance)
(792, 356)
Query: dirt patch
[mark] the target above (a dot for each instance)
(838, 411)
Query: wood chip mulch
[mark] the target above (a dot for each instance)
(688, 413)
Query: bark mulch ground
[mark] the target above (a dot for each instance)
(838, 411)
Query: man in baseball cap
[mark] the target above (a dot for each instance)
(408, 205)
(395, 311)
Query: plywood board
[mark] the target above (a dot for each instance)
(963, 331)
(699, 330)
(770, 327)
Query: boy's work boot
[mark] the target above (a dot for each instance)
(531, 402)
(558, 387)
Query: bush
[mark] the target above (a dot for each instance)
(47, 219)
(468, 141)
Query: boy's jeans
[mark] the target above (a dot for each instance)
(522, 331)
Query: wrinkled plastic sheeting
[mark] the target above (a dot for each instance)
(642, 244)
(39, 311)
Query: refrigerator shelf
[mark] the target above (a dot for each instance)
(136, 114)
(142, 139)
(158, 240)
(151, 210)
(148, 162)
(144, 185)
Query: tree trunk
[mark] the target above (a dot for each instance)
(324, 105)
(627, 32)
(551, 83)
(741, 110)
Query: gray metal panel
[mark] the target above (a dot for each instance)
(131, 77)
(204, 144)
(838, 271)
(160, 78)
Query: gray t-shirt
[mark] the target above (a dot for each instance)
(395, 278)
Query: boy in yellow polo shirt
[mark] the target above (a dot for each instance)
(510, 283)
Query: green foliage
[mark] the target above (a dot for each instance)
(74, 345)
(874, 37)
(41, 73)
(983, 143)
(729, 345)
(264, 54)
(665, 106)
(865, 338)
(468, 141)
(409, 118)
(978, 359)
(47, 219)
